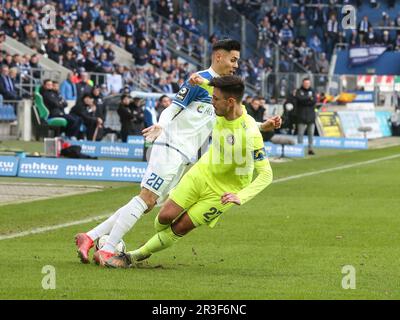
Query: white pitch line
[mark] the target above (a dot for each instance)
(298, 176)
(346, 166)
(51, 228)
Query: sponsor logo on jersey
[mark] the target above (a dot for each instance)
(230, 139)
(181, 95)
(259, 154)
(205, 109)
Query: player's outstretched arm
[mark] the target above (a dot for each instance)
(271, 124)
(197, 80)
(153, 132)
(263, 180)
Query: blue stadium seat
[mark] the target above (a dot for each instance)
(7, 113)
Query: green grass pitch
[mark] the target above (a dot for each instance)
(290, 242)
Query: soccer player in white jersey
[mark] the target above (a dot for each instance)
(182, 129)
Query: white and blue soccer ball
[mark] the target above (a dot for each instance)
(120, 247)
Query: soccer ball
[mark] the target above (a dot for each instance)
(120, 247)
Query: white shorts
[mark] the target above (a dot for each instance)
(165, 169)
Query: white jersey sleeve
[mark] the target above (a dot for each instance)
(192, 123)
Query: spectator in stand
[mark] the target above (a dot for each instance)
(101, 111)
(56, 104)
(8, 60)
(322, 63)
(131, 117)
(289, 119)
(69, 60)
(7, 85)
(386, 40)
(363, 29)
(256, 110)
(114, 82)
(286, 34)
(305, 113)
(69, 91)
(163, 103)
(33, 42)
(35, 67)
(83, 87)
(104, 90)
(370, 37)
(302, 28)
(315, 43)
(15, 79)
(86, 110)
(141, 53)
(332, 34)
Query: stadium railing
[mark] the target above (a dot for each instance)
(381, 89)
(30, 78)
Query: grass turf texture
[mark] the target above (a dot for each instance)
(290, 242)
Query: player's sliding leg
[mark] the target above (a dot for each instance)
(126, 219)
(160, 241)
(84, 244)
(168, 213)
(85, 241)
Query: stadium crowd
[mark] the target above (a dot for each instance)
(86, 32)
(309, 35)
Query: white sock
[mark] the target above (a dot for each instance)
(104, 227)
(127, 218)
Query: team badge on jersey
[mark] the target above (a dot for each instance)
(230, 139)
(259, 154)
(181, 95)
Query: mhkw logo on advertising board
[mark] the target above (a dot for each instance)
(39, 168)
(86, 170)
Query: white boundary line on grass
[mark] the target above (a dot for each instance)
(298, 176)
(51, 228)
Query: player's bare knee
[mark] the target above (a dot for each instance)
(183, 225)
(169, 212)
(165, 216)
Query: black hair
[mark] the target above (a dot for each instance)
(86, 95)
(162, 97)
(125, 96)
(231, 86)
(227, 45)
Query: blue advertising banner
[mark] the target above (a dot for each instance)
(365, 54)
(8, 166)
(335, 143)
(138, 140)
(338, 143)
(363, 96)
(82, 169)
(275, 150)
(110, 149)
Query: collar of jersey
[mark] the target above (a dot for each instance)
(212, 72)
(232, 123)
